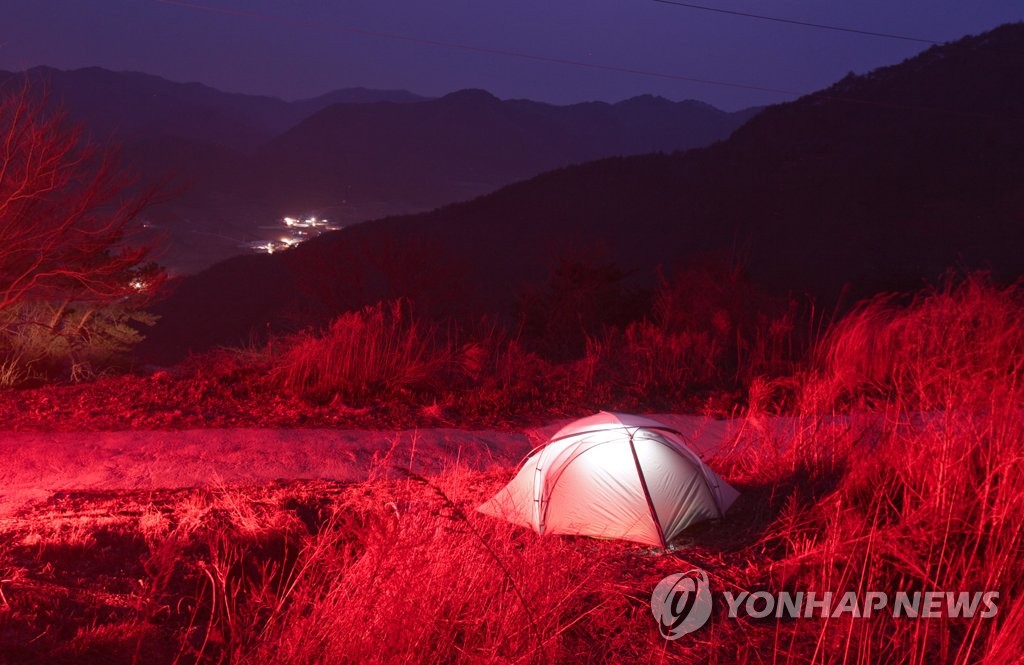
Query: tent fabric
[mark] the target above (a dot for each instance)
(613, 475)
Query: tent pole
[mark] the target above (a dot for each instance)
(647, 493)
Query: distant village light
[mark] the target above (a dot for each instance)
(299, 230)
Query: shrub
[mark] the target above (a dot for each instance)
(709, 330)
(67, 341)
(377, 352)
(579, 301)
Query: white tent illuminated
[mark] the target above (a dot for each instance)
(613, 475)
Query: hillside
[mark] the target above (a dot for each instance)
(195, 139)
(130, 106)
(879, 181)
(466, 144)
(240, 162)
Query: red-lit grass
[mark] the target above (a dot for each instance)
(433, 581)
(384, 367)
(387, 571)
(379, 352)
(891, 462)
(919, 487)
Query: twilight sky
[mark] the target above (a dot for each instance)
(302, 48)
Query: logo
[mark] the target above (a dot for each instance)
(681, 603)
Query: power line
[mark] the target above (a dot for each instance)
(332, 27)
(805, 24)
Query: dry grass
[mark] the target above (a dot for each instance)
(706, 333)
(925, 494)
(377, 352)
(387, 571)
(900, 471)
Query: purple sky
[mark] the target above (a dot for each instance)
(302, 48)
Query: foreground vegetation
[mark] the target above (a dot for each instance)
(922, 494)
(584, 343)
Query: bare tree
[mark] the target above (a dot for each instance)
(65, 208)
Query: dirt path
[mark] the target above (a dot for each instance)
(34, 465)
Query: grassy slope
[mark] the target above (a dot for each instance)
(404, 570)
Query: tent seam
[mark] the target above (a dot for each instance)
(647, 492)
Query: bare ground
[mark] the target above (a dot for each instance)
(38, 464)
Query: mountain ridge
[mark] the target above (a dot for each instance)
(821, 195)
(105, 100)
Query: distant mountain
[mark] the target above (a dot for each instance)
(307, 107)
(877, 182)
(131, 106)
(194, 136)
(468, 143)
(244, 161)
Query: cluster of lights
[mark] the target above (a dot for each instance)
(308, 223)
(298, 231)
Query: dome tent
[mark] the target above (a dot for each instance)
(613, 475)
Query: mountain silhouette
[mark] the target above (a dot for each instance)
(128, 106)
(464, 144)
(241, 162)
(878, 182)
